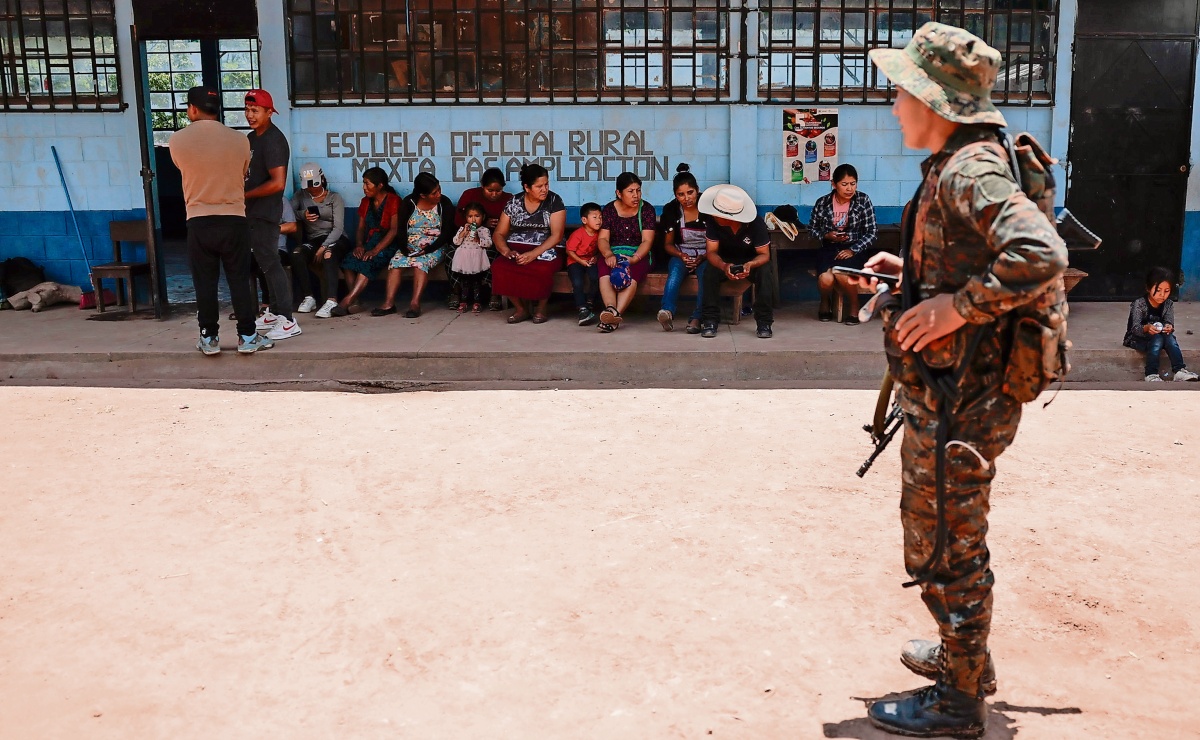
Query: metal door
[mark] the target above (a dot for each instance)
(1131, 113)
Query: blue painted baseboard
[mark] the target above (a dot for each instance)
(49, 239)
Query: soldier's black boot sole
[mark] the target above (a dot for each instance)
(924, 658)
(934, 711)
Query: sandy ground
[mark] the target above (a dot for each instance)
(592, 564)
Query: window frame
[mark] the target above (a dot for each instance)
(75, 63)
(635, 64)
(572, 59)
(874, 87)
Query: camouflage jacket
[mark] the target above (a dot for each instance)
(978, 236)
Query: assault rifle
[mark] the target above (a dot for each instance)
(883, 427)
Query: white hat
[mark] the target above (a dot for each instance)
(728, 201)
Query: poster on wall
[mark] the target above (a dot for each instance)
(810, 144)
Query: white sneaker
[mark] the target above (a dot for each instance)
(308, 305)
(283, 328)
(266, 322)
(324, 311)
(1186, 374)
(1153, 379)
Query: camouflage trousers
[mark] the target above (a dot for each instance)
(959, 596)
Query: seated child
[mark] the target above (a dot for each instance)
(470, 261)
(1151, 326)
(581, 262)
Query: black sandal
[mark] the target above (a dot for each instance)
(610, 316)
(381, 311)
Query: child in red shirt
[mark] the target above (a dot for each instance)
(581, 262)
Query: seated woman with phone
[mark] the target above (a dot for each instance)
(845, 221)
(321, 214)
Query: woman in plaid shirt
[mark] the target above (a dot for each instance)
(845, 222)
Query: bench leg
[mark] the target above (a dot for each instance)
(98, 289)
(839, 305)
(737, 308)
(129, 299)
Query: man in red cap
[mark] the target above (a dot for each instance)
(265, 183)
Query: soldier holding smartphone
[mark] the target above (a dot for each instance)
(979, 250)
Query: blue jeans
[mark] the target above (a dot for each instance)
(1159, 342)
(583, 278)
(676, 272)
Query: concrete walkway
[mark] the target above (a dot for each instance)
(62, 345)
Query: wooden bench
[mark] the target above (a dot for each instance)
(656, 282)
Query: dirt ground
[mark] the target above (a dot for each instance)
(591, 564)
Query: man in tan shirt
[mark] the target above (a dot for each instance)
(213, 160)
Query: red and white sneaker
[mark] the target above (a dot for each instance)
(266, 322)
(283, 328)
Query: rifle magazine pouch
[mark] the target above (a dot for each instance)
(1033, 360)
(901, 365)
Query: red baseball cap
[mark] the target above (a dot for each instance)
(261, 98)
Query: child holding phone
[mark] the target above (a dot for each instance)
(1151, 327)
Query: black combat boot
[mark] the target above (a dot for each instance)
(924, 658)
(934, 711)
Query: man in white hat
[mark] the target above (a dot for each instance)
(739, 248)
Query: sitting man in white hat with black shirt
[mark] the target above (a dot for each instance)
(739, 248)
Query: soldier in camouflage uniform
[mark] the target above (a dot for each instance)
(979, 249)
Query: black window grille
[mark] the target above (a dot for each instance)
(816, 50)
(481, 51)
(58, 55)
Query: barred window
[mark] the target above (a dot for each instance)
(58, 55)
(475, 51)
(816, 50)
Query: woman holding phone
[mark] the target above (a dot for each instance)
(845, 222)
(317, 259)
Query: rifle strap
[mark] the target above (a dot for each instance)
(945, 388)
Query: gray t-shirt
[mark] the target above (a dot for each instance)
(267, 152)
(331, 218)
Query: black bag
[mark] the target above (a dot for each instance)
(18, 274)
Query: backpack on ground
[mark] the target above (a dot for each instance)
(18, 274)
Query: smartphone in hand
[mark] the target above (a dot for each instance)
(890, 280)
(313, 210)
(736, 269)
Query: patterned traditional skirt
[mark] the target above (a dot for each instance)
(531, 282)
(423, 262)
(370, 267)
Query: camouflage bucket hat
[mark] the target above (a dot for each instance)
(949, 69)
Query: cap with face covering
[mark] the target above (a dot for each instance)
(311, 175)
(949, 69)
(728, 201)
